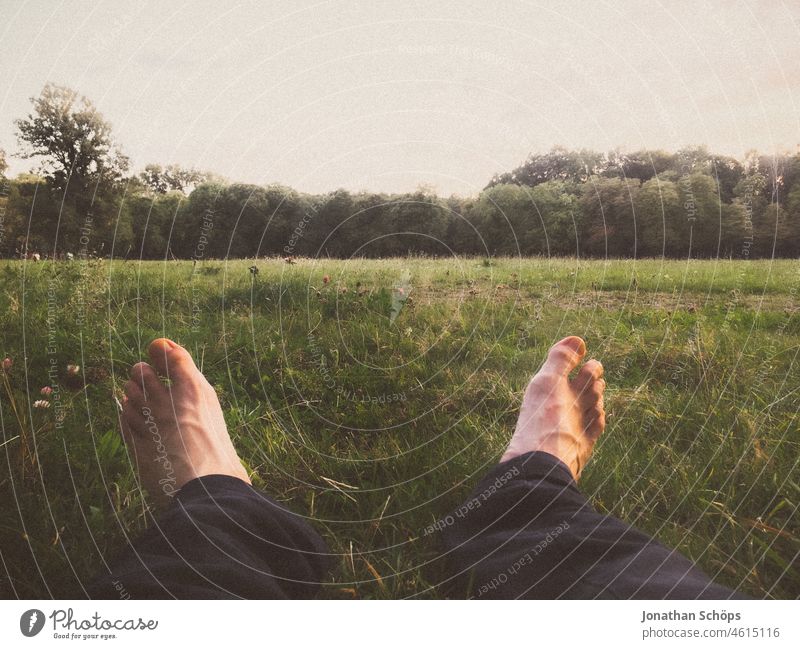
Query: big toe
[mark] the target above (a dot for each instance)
(171, 360)
(564, 356)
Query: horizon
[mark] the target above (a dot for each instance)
(133, 174)
(385, 99)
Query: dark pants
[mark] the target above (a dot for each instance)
(526, 531)
(220, 539)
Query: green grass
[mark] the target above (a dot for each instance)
(376, 428)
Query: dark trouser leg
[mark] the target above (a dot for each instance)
(527, 531)
(220, 539)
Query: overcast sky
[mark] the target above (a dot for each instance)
(388, 95)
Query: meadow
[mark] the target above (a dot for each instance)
(372, 395)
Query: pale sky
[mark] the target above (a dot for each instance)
(388, 95)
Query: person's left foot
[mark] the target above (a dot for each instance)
(175, 433)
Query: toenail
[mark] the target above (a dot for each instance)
(575, 343)
(164, 343)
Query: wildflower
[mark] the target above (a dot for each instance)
(46, 390)
(326, 279)
(41, 403)
(7, 363)
(73, 370)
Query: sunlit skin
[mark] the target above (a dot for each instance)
(560, 416)
(176, 432)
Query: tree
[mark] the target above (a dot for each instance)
(198, 228)
(775, 232)
(30, 198)
(791, 246)
(417, 223)
(73, 140)
(506, 220)
(728, 172)
(557, 164)
(150, 219)
(608, 206)
(715, 226)
(3, 163)
(172, 178)
(330, 229)
(642, 165)
(663, 230)
(81, 166)
(557, 212)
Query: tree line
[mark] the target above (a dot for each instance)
(83, 198)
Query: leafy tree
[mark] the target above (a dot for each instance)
(661, 222)
(775, 230)
(506, 220)
(556, 206)
(417, 224)
(557, 164)
(608, 206)
(198, 227)
(461, 235)
(331, 227)
(72, 139)
(717, 228)
(30, 199)
(81, 165)
(693, 159)
(366, 227)
(728, 172)
(284, 217)
(642, 165)
(172, 178)
(151, 218)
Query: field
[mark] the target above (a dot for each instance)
(374, 410)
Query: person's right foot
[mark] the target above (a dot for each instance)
(560, 416)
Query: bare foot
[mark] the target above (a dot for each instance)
(559, 416)
(175, 433)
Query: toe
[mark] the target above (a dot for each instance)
(592, 410)
(132, 420)
(147, 380)
(170, 359)
(564, 356)
(595, 424)
(134, 394)
(127, 423)
(588, 376)
(124, 429)
(592, 397)
(593, 393)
